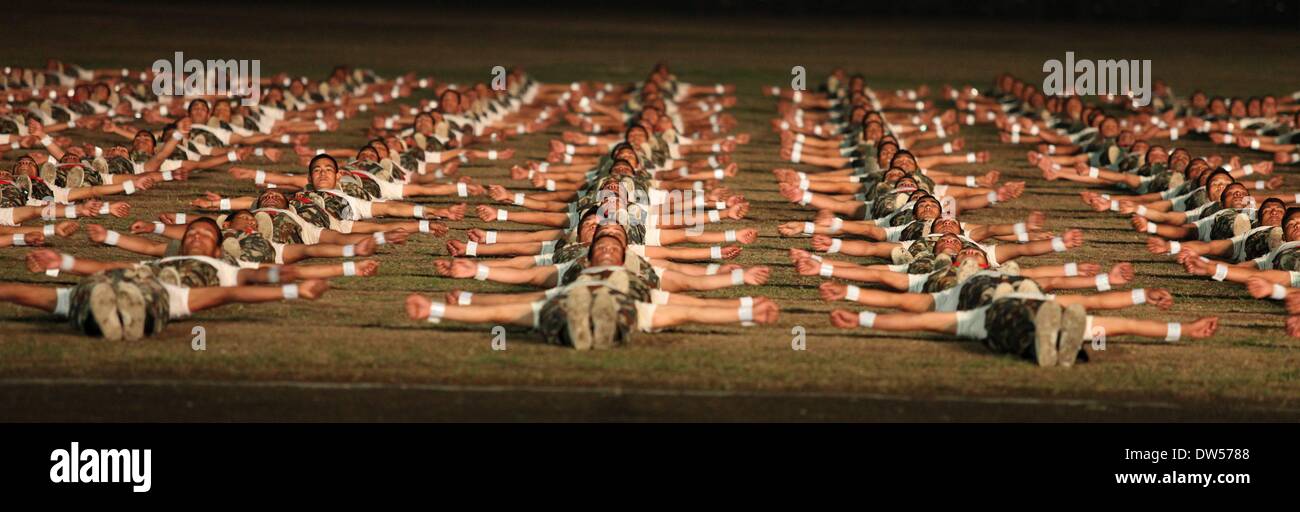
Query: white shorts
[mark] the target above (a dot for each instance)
(645, 316)
(178, 301)
(390, 189)
(970, 324)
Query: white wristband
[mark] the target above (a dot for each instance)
(1279, 292)
(179, 218)
(993, 197)
(417, 211)
(104, 208)
(232, 156)
(1175, 247)
(970, 181)
(70, 212)
(519, 199)
(289, 291)
(502, 215)
(224, 204)
(464, 298)
(112, 238)
(1058, 244)
(67, 262)
(273, 275)
(128, 187)
(866, 319)
(729, 235)
(19, 240)
(746, 314)
(1071, 269)
(737, 277)
(490, 237)
(1103, 282)
(712, 269)
(809, 228)
(1220, 272)
(1173, 331)
(827, 270)
(714, 216)
(436, 311)
(423, 227)
(481, 272)
(836, 244)
(48, 230)
(1021, 231)
(1139, 296)
(259, 177)
(462, 189)
(380, 238)
(471, 248)
(349, 250)
(852, 292)
(715, 252)
(349, 268)
(806, 198)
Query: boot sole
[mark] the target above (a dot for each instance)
(1047, 327)
(131, 309)
(1074, 320)
(103, 307)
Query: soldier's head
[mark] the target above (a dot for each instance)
(449, 102)
(608, 247)
(588, 224)
(202, 238)
(25, 166)
(1179, 159)
(637, 135)
(272, 198)
(948, 244)
(972, 254)
(622, 168)
(242, 220)
(1235, 195)
(1271, 212)
(143, 142)
(946, 226)
(1291, 224)
(368, 154)
(1218, 180)
(905, 160)
(424, 123)
(199, 111)
(927, 208)
(1157, 155)
(323, 171)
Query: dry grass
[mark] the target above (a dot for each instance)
(359, 334)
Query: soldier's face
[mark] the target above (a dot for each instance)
(947, 244)
(273, 200)
(587, 230)
(200, 240)
(243, 222)
(1235, 197)
(972, 254)
(368, 155)
(947, 227)
(928, 209)
(199, 112)
(1217, 184)
(142, 143)
(607, 251)
(1271, 215)
(324, 174)
(26, 167)
(1292, 228)
(424, 124)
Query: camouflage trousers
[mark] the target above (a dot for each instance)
(1010, 326)
(604, 315)
(120, 282)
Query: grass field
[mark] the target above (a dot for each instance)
(354, 356)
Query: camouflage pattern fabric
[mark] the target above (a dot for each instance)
(142, 278)
(1010, 326)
